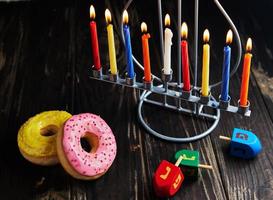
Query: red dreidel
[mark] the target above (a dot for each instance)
(168, 178)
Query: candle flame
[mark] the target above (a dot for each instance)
(92, 12)
(125, 17)
(184, 31)
(206, 36)
(167, 20)
(249, 45)
(108, 17)
(229, 37)
(143, 27)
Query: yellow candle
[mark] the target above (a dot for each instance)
(111, 43)
(205, 68)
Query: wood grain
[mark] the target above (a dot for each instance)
(45, 61)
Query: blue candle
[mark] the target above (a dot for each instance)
(226, 68)
(128, 47)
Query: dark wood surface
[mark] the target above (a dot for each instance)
(45, 56)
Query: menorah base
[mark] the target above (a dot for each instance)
(196, 112)
(173, 90)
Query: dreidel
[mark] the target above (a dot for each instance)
(190, 163)
(167, 178)
(243, 144)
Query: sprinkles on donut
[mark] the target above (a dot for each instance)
(86, 148)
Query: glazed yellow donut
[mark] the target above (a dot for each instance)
(37, 137)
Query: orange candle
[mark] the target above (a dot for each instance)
(145, 51)
(246, 74)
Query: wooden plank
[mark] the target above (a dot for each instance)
(37, 44)
(247, 179)
(11, 58)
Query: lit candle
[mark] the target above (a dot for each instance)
(111, 43)
(226, 68)
(168, 44)
(185, 58)
(205, 68)
(128, 47)
(94, 39)
(145, 52)
(246, 73)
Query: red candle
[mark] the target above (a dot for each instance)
(246, 74)
(146, 54)
(185, 58)
(94, 39)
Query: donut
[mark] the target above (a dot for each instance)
(37, 137)
(87, 147)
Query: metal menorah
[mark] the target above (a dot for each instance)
(169, 89)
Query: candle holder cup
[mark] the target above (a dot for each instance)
(224, 104)
(243, 109)
(148, 85)
(186, 94)
(96, 73)
(130, 81)
(166, 77)
(204, 99)
(113, 77)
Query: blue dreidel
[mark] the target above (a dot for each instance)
(243, 144)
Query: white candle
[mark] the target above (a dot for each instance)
(167, 48)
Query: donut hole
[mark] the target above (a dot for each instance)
(49, 130)
(89, 142)
(86, 145)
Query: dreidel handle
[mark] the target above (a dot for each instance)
(179, 160)
(224, 138)
(205, 166)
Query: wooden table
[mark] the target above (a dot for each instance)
(45, 56)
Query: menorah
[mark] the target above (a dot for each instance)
(168, 89)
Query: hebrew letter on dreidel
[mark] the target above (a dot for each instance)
(188, 158)
(177, 181)
(242, 136)
(165, 176)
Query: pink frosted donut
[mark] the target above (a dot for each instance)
(86, 163)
